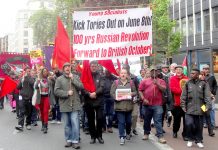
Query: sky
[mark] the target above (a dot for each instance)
(8, 10)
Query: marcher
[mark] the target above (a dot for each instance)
(207, 117)
(136, 101)
(1, 98)
(25, 100)
(94, 105)
(42, 83)
(66, 88)
(56, 114)
(176, 83)
(108, 101)
(151, 91)
(211, 80)
(195, 96)
(124, 107)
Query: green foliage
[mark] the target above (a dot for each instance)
(43, 23)
(165, 40)
(64, 9)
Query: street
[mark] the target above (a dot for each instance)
(54, 140)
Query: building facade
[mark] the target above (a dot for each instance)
(198, 21)
(23, 38)
(4, 44)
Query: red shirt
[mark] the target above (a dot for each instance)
(176, 89)
(151, 92)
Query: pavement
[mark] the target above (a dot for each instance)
(34, 139)
(10, 139)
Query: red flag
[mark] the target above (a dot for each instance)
(108, 64)
(86, 77)
(62, 48)
(8, 86)
(118, 64)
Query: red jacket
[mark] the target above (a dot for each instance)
(176, 89)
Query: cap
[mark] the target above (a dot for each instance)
(164, 66)
(206, 66)
(179, 66)
(153, 68)
(66, 64)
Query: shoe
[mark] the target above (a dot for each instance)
(145, 137)
(68, 144)
(110, 130)
(128, 137)
(200, 145)
(122, 141)
(134, 132)
(93, 141)
(174, 135)
(58, 122)
(34, 124)
(76, 146)
(185, 138)
(189, 144)
(19, 128)
(28, 127)
(211, 133)
(169, 120)
(87, 132)
(53, 121)
(45, 129)
(205, 125)
(162, 140)
(100, 140)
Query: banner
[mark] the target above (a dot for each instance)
(13, 62)
(48, 51)
(107, 34)
(36, 57)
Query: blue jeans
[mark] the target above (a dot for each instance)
(154, 112)
(124, 122)
(212, 115)
(71, 126)
(109, 111)
(56, 115)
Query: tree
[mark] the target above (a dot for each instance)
(43, 23)
(64, 8)
(166, 42)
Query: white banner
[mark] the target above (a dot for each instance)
(107, 34)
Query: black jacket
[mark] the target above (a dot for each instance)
(26, 87)
(99, 82)
(194, 95)
(107, 86)
(212, 83)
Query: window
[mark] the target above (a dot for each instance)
(25, 24)
(198, 23)
(206, 21)
(25, 33)
(215, 17)
(25, 42)
(183, 26)
(190, 25)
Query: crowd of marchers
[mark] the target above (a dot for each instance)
(158, 95)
